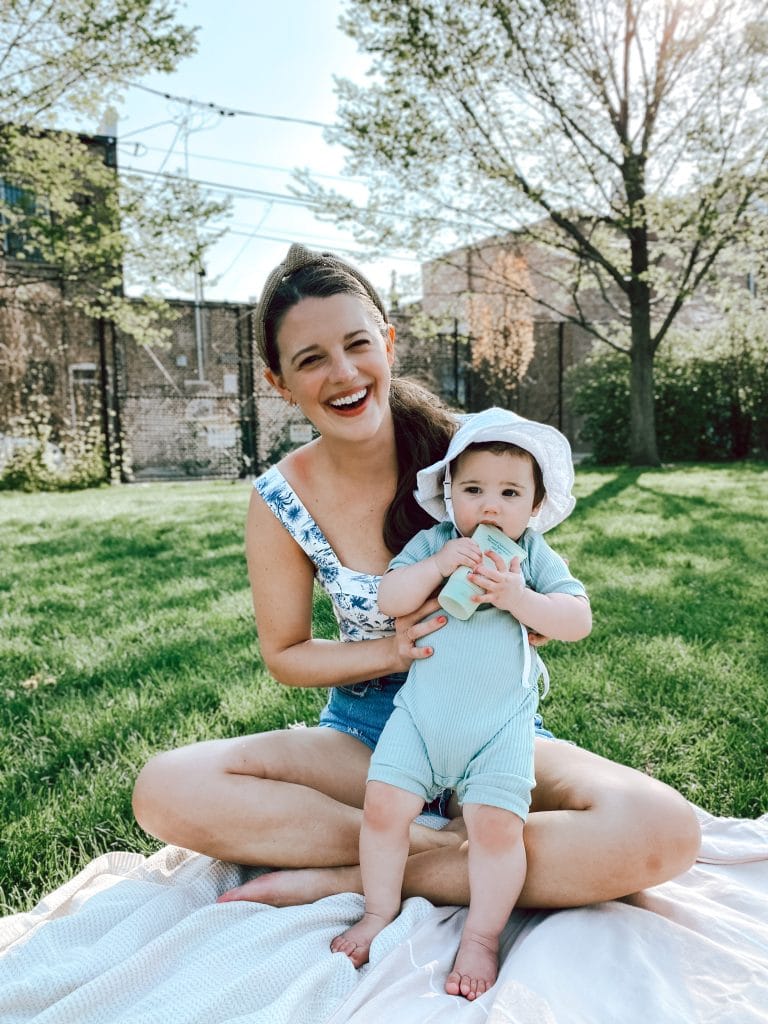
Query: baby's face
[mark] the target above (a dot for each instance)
(494, 489)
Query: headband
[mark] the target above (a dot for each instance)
(297, 259)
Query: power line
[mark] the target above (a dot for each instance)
(223, 111)
(313, 240)
(242, 190)
(263, 196)
(237, 163)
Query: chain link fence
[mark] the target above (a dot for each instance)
(198, 405)
(444, 363)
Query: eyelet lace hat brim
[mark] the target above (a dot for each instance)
(546, 444)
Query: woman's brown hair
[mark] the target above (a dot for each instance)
(423, 424)
(424, 427)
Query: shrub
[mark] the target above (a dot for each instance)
(30, 461)
(599, 389)
(711, 396)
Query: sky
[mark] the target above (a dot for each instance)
(262, 57)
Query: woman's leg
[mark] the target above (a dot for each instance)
(288, 798)
(597, 831)
(384, 842)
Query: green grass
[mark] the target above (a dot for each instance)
(126, 628)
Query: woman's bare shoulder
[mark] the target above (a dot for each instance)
(298, 467)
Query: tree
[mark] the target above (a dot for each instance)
(501, 329)
(626, 138)
(66, 218)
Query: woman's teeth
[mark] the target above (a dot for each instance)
(349, 399)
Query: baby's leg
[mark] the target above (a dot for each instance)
(384, 842)
(496, 874)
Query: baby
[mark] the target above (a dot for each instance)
(464, 719)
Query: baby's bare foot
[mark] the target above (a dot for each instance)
(475, 967)
(356, 941)
(291, 888)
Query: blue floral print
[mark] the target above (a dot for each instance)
(353, 594)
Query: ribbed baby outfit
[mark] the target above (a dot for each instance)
(464, 718)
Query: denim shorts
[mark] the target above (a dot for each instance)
(361, 709)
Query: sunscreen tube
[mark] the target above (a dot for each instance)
(455, 597)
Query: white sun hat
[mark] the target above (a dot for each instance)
(546, 444)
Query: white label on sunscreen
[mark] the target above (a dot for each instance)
(456, 595)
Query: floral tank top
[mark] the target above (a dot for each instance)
(353, 594)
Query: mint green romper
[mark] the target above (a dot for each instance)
(464, 719)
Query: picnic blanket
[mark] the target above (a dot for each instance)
(134, 940)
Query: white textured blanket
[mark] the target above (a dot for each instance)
(136, 941)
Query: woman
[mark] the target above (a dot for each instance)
(291, 799)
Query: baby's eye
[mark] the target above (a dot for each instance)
(471, 489)
(509, 492)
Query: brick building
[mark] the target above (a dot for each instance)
(491, 289)
(516, 288)
(193, 405)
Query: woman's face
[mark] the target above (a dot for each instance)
(335, 364)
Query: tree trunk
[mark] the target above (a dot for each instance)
(643, 450)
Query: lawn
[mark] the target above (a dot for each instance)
(126, 628)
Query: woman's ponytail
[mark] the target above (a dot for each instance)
(424, 426)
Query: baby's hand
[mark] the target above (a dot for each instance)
(503, 584)
(461, 551)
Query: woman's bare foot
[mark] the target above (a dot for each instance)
(356, 941)
(424, 838)
(291, 888)
(456, 828)
(475, 967)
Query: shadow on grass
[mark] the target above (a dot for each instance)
(130, 662)
(722, 544)
(678, 505)
(120, 541)
(162, 709)
(693, 611)
(623, 479)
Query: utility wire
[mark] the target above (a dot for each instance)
(237, 163)
(229, 111)
(243, 192)
(249, 238)
(274, 197)
(313, 240)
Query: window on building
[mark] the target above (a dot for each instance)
(83, 393)
(15, 242)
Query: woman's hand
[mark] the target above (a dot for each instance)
(410, 628)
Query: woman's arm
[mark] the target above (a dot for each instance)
(282, 582)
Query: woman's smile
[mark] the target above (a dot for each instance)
(351, 403)
(336, 363)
